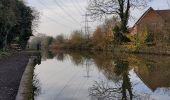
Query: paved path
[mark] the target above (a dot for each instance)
(11, 71)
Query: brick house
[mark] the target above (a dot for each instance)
(156, 22)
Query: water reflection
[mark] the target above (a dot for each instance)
(107, 76)
(60, 56)
(121, 90)
(36, 87)
(47, 55)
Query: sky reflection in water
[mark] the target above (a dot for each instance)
(102, 76)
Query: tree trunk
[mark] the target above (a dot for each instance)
(124, 16)
(6, 41)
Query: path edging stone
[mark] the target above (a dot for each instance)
(24, 91)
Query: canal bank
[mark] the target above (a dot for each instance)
(25, 91)
(148, 50)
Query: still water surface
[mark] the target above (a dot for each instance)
(102, 76)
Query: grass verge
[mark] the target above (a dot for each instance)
(4, 54)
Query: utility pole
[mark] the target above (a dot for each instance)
(87, 64)
(86, 27)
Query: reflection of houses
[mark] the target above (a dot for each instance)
(155, 75)
(154, 71)
(153, 21)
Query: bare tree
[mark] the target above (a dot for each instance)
(119, 8)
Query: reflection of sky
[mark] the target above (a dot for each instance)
(54, 21)
(63, 80)
(139, 85)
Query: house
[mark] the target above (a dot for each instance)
(156, 22)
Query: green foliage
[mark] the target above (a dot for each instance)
(140, 40)
(25, 22)
(4, 54)
(16, 20)
(119, 37)
(7, 19)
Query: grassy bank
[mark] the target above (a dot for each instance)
(153, 50)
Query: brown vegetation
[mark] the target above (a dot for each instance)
(101, 39)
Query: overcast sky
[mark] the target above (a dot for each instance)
(64, 16)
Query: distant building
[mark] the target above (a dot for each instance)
(157, 22)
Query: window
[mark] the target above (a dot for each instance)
(154, 25)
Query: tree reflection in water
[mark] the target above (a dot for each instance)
(60, 56)
(121, 90)
(117, 70)
(36, 87)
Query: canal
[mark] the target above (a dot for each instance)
(101, 76)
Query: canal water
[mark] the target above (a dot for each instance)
(101, 76)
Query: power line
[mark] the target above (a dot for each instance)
(72, 4)
(70, 16)
(39, 1)
(76, 7)
(78, 3)
(53, 20)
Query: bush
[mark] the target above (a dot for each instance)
(4, 54)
